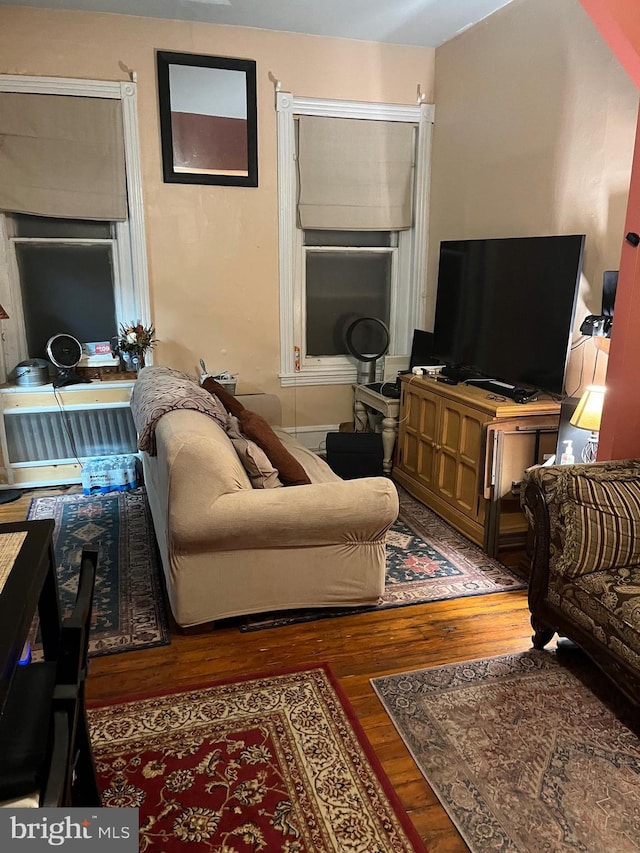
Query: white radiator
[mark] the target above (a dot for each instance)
(49, 436)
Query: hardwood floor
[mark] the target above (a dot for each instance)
(357, 647)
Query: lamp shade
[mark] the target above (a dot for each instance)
(589, 410)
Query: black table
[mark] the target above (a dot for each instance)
(31, 585)
(44, 737)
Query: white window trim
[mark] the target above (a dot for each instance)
(410, 305)
(130, 258)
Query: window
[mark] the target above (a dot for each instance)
(80, 277)
(328, 278)
(347, 274)
(66, 275)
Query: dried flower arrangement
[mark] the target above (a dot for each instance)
(136, 338)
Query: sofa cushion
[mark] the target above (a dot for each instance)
(600, 517)
(257, 429)
(255, 461)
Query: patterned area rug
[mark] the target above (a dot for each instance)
(128, 602)
(273, 763)
(523, 756)
(427, 560)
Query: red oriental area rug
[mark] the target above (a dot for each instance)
(274, 763)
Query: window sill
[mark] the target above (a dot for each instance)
(320, 376)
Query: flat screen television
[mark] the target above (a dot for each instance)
(505, 308)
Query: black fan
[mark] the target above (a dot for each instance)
(65, 352)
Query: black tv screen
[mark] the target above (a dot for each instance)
(505, 307)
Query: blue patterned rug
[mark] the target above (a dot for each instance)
(427, 560)
(128, 603)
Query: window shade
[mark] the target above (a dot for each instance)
(62, 156)
(355, 174)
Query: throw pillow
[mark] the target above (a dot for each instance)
(257, 429)
(255, 461)
(231, 404)
(601, 520)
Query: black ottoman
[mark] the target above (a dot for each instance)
(355, 454)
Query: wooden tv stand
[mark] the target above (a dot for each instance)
(463, 454)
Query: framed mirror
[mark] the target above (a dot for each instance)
(208, 119)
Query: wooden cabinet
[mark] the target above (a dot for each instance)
(440, 447)
(460, 452)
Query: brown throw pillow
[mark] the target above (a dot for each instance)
(257, 429)
(233, 406)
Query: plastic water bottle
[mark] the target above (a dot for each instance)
(90, 483)
(107, 475)
(132, 473)
(118, 474)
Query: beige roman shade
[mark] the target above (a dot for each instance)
(62, 156)
(355, 174)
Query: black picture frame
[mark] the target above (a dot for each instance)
(208, 119)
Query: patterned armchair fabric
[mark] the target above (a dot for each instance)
(586, 567)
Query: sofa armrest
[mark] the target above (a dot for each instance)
(537, 511)
(266, 405)
(350, 511)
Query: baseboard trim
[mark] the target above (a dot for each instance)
(312, 437)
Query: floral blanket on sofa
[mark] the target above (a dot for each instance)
(159, 390)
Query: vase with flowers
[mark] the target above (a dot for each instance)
(134, 340)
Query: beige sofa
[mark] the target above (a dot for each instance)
(229, 549)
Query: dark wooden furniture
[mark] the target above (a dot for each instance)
(44, 740)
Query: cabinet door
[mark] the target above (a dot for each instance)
(418, 433)
(460, 457)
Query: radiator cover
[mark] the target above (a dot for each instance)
(50, 436)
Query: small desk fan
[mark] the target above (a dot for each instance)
(65, 352)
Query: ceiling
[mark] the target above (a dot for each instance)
(426, 23)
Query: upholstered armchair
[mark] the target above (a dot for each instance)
(585, 577)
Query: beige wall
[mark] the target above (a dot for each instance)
(534, 132)
(213, 260)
